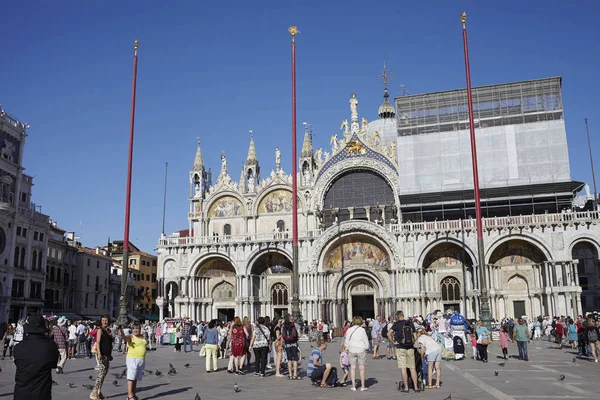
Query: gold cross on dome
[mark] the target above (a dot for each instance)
(385, 76)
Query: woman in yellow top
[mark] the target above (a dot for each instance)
(136, 358)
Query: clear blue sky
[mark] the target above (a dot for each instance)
(219, 69)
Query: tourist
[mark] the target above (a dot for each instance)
(223, 339)
(390, 351)
(430, 350)
(211, 345)
(504, 342)
(248, 329)
(19, 332)
(60, 335)
(316, 370)
(537, 329)
(356, 344)
(8, 341)
(592, 334)
(35, 358)
(290, 340)
(186, 336)
(520, 334)
(277, 340)
(326, 335)
(474, 344)
(344, 365)
(559, 332)
(260, 344)
(376, 337)
(104, 355)
(72, 339)
(136, 358)
(483, 340)
(572, 333)
(402, 335)
(238, 345)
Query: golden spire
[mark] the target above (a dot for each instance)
(463, 17)
(136, 43)
(293, 30)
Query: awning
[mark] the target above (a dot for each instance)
(71, 316)
(131, 317)
(151, 317)
(92, 317)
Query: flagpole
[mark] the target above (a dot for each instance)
(587, 130)
(295, 276)
(484, 312)
(123, 299)
(165, 198)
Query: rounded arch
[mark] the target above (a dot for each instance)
(223, 291)
(345, 228)
(539, 243)
(584, 239)
(326, 180)
(351, 249)
(279, 294)
(284, 201)
(426, 251)
(214, 266)
(200, 261)
(172, 289)
(446, 253)
(222, 195)
(517, 283)
(271, 259)
(341, 285)
(517, 251)
(450, 289)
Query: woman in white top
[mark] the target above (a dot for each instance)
(356, 343)
(430, 349)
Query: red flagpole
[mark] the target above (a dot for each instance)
(123, 301)
(295, 276)
(484, 312)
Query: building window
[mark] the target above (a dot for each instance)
(279, 295)
(88, 281)
(22, 263)
(280, 226)
(97, 286)
(227, 230)
(88, 262)
(35, 235)
(18, 231)
(34, 260)
(24, 232)
(147, 277)
(106, 268)
(450, 288)
(104, 303)
(87, 298)
(95, 301)
(16, 259)
(40, 262)
(153, 278)
(51, 278)
(41, 237)
(153, 293)
(97, 264)
(154, 263)
(23, 197)
(132, 262)
(105, 283)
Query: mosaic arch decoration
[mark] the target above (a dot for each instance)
(227, 206)
(272, 264)
(517, 252)
(356, 251)
(224, 291)
(277, 201)
(446, 255)
(216, 268)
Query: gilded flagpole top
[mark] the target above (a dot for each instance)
(293, 30)
(135, 45)
(463, 17)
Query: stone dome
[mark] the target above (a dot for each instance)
(388, 131)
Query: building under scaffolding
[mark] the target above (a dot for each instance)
(521, 147)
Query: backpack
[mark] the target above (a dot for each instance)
(404, 336)
(592, 335)
(290, 335)
(332, 378)
(384, 331)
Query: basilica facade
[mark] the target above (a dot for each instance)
(359, 253)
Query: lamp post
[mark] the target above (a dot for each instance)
(122, 320)
(484, 311)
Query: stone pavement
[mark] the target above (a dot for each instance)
(467, 379)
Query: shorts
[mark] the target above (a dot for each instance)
(376, 341)
(360, 358)
(71, 343)
(135, 368)
(318, 372)
(435, 356)
(292, 352)
(390, 345)
(345, 368)
(406, 358)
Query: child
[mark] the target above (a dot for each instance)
(136, 358)
(504, 341)
(345, 364)
(474, 345)
(177, 340)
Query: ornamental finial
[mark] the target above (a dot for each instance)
(293, 30)
(463, 17)
(136, 44)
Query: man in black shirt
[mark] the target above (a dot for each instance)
(402, 335)
(35, 357)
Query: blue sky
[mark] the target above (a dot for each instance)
(218, 69)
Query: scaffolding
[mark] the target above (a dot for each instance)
(494, 105)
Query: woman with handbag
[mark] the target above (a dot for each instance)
(260, 343)
(484, 338)
(277, 340)
(356, 343)
(104, 340)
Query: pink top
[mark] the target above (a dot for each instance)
(503, 340)
(473, 341)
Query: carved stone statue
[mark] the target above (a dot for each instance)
(376, 138)
(354, 105)
(318, 155)
(587, 191)
(8, 150)
(319, 215)
(306, 176)
(334, 142)
(334, 214)
(394, 211)
(326, 156)
(363, 124)
(169, 292)
(277, 159)
(223, 163)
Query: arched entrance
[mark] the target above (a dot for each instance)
(588, 271)
(172, 291)
(214, 290)
(361, 298)
(271, 280)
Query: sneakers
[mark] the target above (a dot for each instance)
(364, 389)
(353, 389)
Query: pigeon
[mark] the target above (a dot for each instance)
(574, 359)
(186, 365)
(561, 378)
(502, 364)
(54, 383)
(148, 372)
(90, 377)
(236, 388)
(116, 383)
(197, 397)
(172, 370)
(448, 398)
(90, 387)
(123, 374)
(71, 385)
(158, 373)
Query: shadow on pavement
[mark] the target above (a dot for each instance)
(141, 389)
(168, 393)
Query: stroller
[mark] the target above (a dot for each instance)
(421, 368)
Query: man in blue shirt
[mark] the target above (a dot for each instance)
(316, 369)
(376, 337)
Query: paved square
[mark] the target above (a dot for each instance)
(467, 379)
